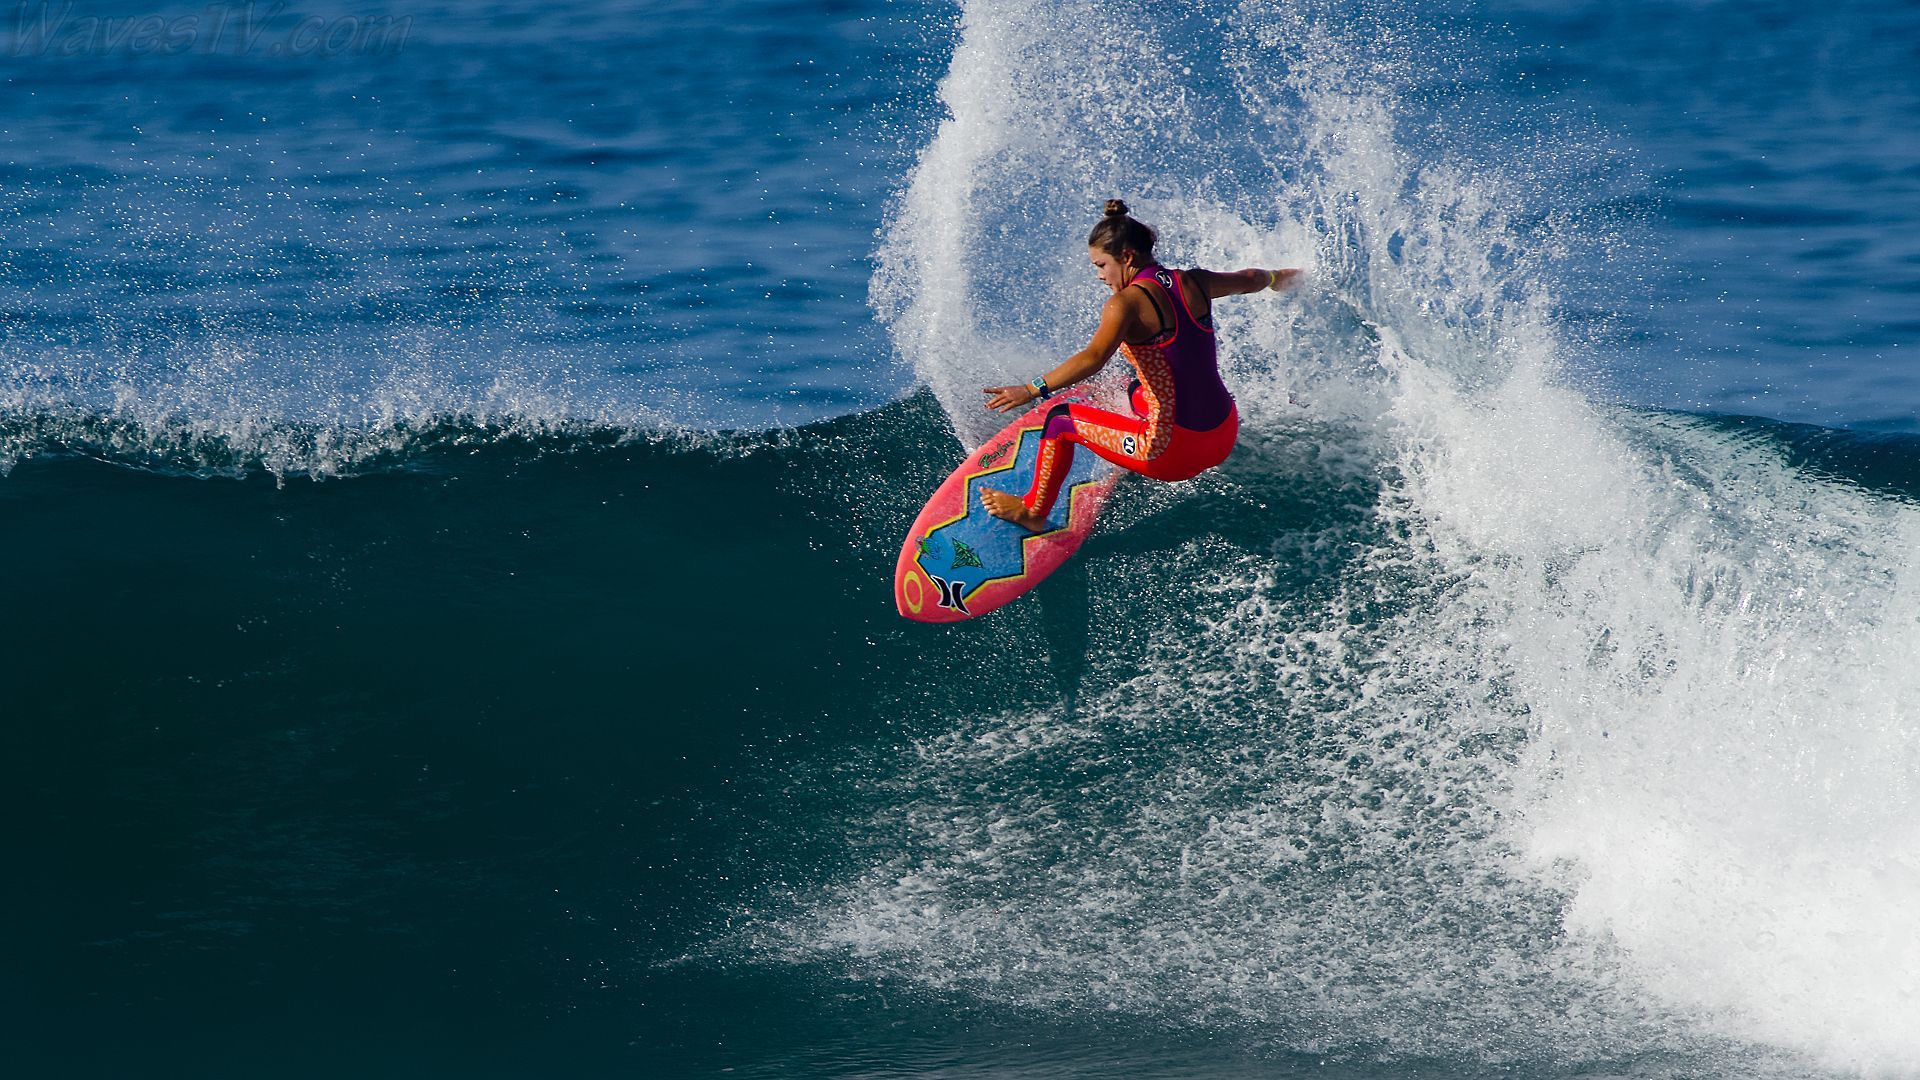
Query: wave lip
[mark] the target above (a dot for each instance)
(237, 442)
(229, 412)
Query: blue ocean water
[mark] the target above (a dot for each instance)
(454, 455)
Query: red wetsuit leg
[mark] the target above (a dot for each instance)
(1083, 425)
(1121, 439)
(1190, 453)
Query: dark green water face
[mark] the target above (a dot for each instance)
(615, 760)
(444, 760)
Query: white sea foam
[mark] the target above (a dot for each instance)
(1545, 730)
(210, 411)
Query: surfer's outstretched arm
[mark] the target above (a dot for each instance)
(1219, 283)
(1114, 317)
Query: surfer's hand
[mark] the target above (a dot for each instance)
(1284, 279)
(1006, 398)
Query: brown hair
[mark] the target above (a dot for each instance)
(1117, 232)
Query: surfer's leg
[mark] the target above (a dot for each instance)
(1098, 430)
(1054, 462)
(1190, 453)
(1049, 472)
(1118, 438)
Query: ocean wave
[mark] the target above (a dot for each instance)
(1463, 715)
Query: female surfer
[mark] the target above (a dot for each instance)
(1183, 421)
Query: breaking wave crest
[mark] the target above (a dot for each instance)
(1461, 715)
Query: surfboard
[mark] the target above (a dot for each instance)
(960, 562)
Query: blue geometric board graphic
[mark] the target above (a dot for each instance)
(979, 547)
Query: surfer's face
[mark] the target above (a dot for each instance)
(1115, 272)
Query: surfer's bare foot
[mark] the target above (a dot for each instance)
(1009, 508)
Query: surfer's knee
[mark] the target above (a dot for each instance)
(1059, 422)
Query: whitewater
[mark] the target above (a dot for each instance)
(1592, 730)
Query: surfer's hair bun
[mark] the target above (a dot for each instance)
(1118, 232)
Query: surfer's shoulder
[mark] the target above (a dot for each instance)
(1129, 302)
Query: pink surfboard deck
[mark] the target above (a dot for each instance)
(960, 562)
